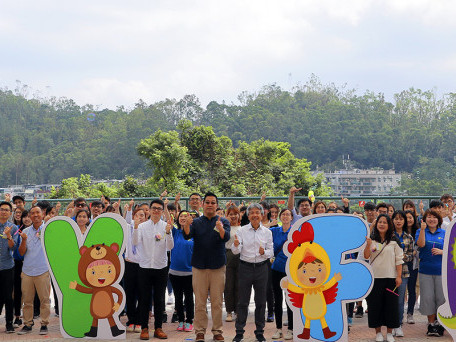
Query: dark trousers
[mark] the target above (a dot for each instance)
(231, 281)
(131, 287)
(182, 286)
(156, 279)
(251, 275)
(56, 300)
(17, 287)
(278, 304)
(6, 292)
(269, 292)
(411, 287)
(383, 305)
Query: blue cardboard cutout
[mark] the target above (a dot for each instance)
(322, 276)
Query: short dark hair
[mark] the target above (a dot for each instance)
(446, 197)
(432, 212)
(435, 204)
(284, 210)
(305, 199)
(265, 205)
(381, 205)
(369, 206)
(43, 205)
(79, 200)
(195, 194)
(97, 202)
(171, 206)
(18, 197)
(210, 194)
(107, 198)
(158, 201)
(49, 209)
(7, 203)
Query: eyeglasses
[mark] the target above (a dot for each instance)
(4, 210)
(156, 208)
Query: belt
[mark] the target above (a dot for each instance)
(254, 264)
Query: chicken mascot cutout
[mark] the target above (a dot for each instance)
(323, 275)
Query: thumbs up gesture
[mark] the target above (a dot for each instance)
(236, 241)
(219, 227)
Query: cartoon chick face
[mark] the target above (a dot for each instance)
(101, 275)
(312, 274)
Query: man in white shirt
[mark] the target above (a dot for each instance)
(447, 214)
(154, 239)
(254, 243)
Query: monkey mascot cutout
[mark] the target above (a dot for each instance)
(98, 269)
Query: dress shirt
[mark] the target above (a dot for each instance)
(131, 252)
(6, 253)
(209, 247)
(34, 260)
(233, 232)
(250, 241)
(153, 242)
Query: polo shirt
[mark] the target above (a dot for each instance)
(208, 246)
(6, 253)
(431, 264)
(34, 260)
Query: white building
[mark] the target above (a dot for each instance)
(363, 182)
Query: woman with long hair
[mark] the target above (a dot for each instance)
(412, 227)
(386, 259)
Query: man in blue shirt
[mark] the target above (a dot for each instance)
(7, 243)
(35, 273)
(209, 233)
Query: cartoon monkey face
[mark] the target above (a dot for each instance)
(99, 265)
(101, 275)
(312, 274)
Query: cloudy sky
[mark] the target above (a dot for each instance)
(111, 53)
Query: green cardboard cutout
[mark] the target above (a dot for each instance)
(66, 249)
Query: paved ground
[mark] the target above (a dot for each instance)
(359, 331)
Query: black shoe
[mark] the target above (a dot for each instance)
(92, 332)
(440, 330)
(359, 312)
(260, 338)
(17, 322)
(174, 319)
(115, 331)
(25, 330)
(432, 330)
(44, 330)
(238, 338)
(9, 328)
(270, 318)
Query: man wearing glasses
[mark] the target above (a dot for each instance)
(195, 202)
(210, 233)
(153, 239)
(7, 243)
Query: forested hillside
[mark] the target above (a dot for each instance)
(47, 139)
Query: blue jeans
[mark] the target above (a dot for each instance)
(401, 292)
(411, 286)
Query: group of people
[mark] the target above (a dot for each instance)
(220, 254)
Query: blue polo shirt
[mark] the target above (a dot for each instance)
(208, 247)
(6, 253)
(279, 237)
(431, 264)
(34, 260)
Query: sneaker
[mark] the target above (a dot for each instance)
(390, 338)
(238, 338)
(9, 328)
(229, 317)
(180, 327)
(379, 337)
(399, 332)
(160, 334)
(144, 334)
(137, 328)
(130, 327)
(432, 330)
(188, 327)
(440, 330)
(199, 337)
(288, 335)
(285, 323)
(359, 313)
(410, 319)
(17, 322)
(278, 334)
(25, 330)
(270, 318)
(44, 330)
(260, 338)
